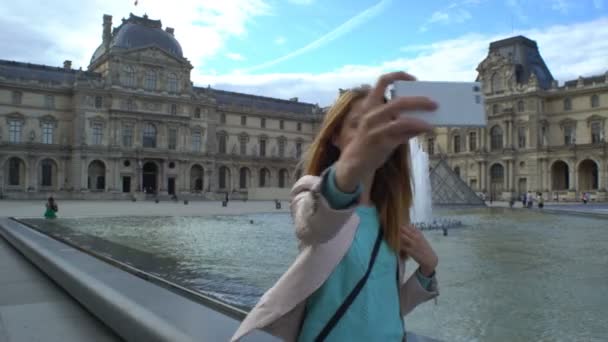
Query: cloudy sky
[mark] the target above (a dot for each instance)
(310, 48)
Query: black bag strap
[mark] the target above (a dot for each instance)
(352, 295)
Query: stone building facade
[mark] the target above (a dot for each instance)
(133, 123)
(540, 136)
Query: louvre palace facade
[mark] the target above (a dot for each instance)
(134, 124)
(540, 136)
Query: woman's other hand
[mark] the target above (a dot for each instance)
(418, 248)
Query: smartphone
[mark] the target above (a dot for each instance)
(460, 103)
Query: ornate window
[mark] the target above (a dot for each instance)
(521, 137)
(243, 139)
(497, 83)
(15, 128)
(567, 103)
(17, 97)
(49, 101)
(456, 139)
(472, 141)
(282, 143)
(298, 149)
(569, 138)
(149, 137)
(222, 138)
(47, 132)
(263, 147)
(495, 108)
(596, 132)
(263, 122)
(520, 106)
(128, 76)
(196, 141)
(281, 124)
(173, 109)
(172, 83)
(127, 135)
(172, 141)
(98, 101)
(595, 101)
(496, 138)
(243, 120)
(97, 128)
(150, 80)
(299, 126)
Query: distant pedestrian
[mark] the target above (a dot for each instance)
(541, 201)
(585, 197)
(51, 208)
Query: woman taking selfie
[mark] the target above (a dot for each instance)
(351, 216)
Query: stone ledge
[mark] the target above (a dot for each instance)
(134, 308)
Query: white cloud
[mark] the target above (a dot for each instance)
(598, 4)
(454, 13)
(562, 6)
(44, 32)
(338, 32)
(235, 56)
(448, 60)
(280, 40)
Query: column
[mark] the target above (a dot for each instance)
(117, 178)
(84, 171)
(163, 177)
(540, 179)
(184, 181)
(139, 175)
(507, 173)
(234, 177)
(59, 177)
(209, 181)
(31, 172)
(572, 175)
(479, 181)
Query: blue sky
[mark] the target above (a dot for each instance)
(310, 48)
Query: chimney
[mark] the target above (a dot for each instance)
(107, 30)
(293, 99)
(169, 30)
(67, 64)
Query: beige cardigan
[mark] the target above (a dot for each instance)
(325, 235)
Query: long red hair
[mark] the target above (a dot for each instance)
(391, 190)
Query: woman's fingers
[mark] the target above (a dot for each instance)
(407, 240)
(398, 131)
(377, 93)
(393, 109)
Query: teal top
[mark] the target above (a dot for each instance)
(375, 314)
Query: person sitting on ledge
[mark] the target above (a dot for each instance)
(51, 208)
(351, 218)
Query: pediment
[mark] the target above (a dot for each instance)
(156, 54)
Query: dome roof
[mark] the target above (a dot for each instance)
(137, 32)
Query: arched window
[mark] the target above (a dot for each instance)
(520, 106)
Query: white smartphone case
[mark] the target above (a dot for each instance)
(460, 103)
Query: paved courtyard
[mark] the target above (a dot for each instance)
(139, 208)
